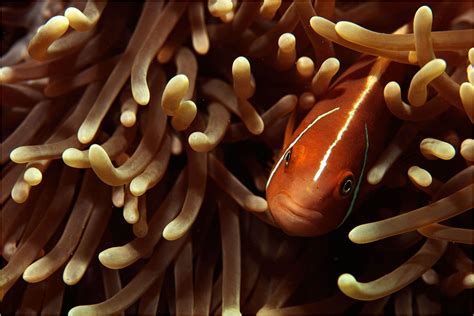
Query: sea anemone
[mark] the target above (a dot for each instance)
(137, 139)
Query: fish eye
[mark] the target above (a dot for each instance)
(347, 186)
(287, 158)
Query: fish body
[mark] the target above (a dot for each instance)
(314, 184)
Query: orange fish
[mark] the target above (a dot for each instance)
(315, 182)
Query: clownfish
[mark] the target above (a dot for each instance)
(314, 185)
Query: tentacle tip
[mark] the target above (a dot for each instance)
(467, 149)
(240, 63)
(258, 128)
(220, 9)
(424, 12)
(59, 22)
(199, 141)
(71, 10)
(287, 42)
(33, 176)
(116, 257)
(451, 152)
(180, 79)
(315, 21)
(82, 311)
(173, 93)
(30, 275)
(466, 93)
(441, 65)
(96, 151)
(202, 49)
(168, 235)
(85, 135)
(256, 204)
(171, 232)
(19, 196)
(425, 9)
(373, 178)
(15, 155)
(69, 154)
(74, 14)
(128, 119)
(70, 279)
(131, 219)
(345, 281)
(333, 62)
(142, 98)
(6, 74)
(78, 20)
(391, 89)
(423, 180)
(75, 158)
(468, 281)
(342, 27)
(138, 187)
(355, 237)
(412, 58)
(104, 257)
(175, 88)
(118, 202)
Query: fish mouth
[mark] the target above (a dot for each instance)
(294, 218)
